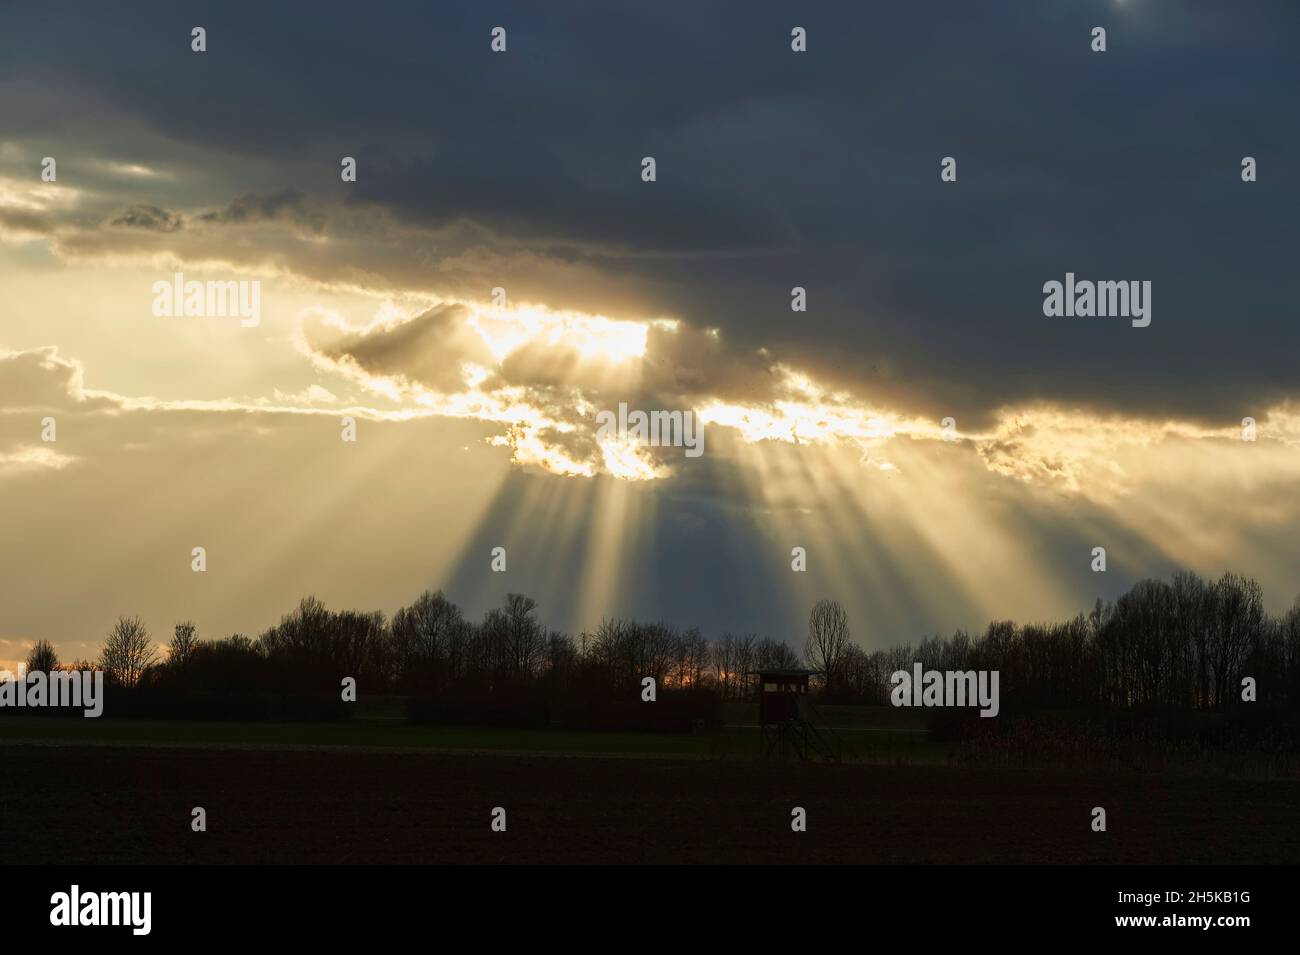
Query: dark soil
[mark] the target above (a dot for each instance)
(101, 804)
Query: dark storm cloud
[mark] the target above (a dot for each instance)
(149, 218)
(287, 205)
(777, 169)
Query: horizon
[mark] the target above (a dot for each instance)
(158, 639)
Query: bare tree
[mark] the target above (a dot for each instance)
(769, 654)
(724, 663)
(42, 658)
(747, 649)
(526, 638)
(421, 632)
(828, 636)
(183, 643)
(127, 652)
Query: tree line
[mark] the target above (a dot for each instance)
(1186, 643)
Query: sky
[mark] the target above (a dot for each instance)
(522, 170)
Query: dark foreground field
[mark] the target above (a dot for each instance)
(131, 804)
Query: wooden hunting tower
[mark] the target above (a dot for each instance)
(789, 725)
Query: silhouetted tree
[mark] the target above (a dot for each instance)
(525, 637)
(1186, 643)
(42, 658)
(183, 643)
(772, 654)
(127, 652)
(426, 640)
(828, 637)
